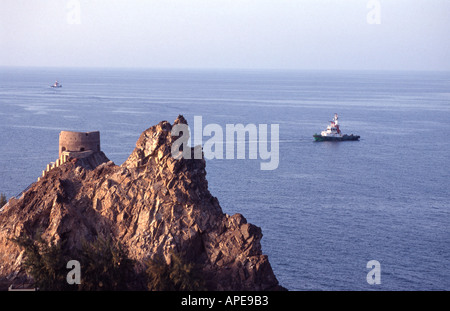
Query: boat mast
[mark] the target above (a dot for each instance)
(336, 123)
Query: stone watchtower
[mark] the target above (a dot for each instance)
(81, 146)
(78, 142)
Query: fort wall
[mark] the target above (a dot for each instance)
(78, 141)
(77, 145)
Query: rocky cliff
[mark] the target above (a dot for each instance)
(153, 204)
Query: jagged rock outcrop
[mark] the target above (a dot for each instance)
(152, 203)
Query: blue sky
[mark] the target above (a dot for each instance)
(248, 34)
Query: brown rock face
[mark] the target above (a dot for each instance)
(152, 203)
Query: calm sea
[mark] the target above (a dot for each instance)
(327, 210)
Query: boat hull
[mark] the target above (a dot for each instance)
(334, 138)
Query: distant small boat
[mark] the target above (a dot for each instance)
(56, 84)
(333, 133)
